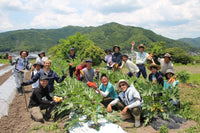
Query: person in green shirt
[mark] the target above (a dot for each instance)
(106, 89)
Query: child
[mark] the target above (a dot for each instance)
(155, 76)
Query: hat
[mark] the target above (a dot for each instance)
(167, 55)
(117, 47)
(71, 49)
(23, 51)
(89, 60)
(141, 45)
(169, 71)
(124, 55)
(121, 80)
(154, 65)
(44, 77)
(42, 52)
(107, 50)
(38, 63)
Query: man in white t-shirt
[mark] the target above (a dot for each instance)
(166, 63)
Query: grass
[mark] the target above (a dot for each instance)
(195, 78)
(4, 61)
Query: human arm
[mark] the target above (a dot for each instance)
(33, 80)
(132, 48)
(58, 79)
(109, 107)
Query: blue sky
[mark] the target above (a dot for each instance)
(170, 18)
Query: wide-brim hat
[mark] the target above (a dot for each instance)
(23, 51)
(167, 55)
(120, 81)
(154, 65)
(107, 50)
(42, 52)
(38, 63)
(141, 45)
(115, 47)
(124, 55)
(169, 71)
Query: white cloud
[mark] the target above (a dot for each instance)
(4, 21)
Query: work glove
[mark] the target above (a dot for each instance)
(53, 103)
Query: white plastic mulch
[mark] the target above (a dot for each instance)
(7, 92)
(1, 65)
(106, 127)
(5, 70)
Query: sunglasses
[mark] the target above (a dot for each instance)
(122, 85)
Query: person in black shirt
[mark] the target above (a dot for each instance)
(37, 102)
(71, 56)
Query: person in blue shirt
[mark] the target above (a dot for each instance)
(106, 89)
(155, 76)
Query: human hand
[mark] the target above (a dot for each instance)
(133, 43)
(124, 110)
(109, 108)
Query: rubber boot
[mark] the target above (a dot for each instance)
(19, 91)
(137, 121)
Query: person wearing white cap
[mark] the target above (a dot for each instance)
(166, 63)
(131, 101)
(42, 58)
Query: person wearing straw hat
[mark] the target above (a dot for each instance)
(155, 76)
(165, 63)
(37, 67)
(141, 58)
(130, 100)
(130, 65)
(21, 64)
(41, 57)
(116, 57)
(108, 59)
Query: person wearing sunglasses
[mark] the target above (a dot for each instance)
(129, 101)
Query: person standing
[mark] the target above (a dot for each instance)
(108, 59)
(141, 58)
(21, 64)
(166, 63)
(116, 57)
(89, 73)
(71, 56)
(133, 69)
(42, 58)
(37, 67)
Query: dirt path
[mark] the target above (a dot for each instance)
(1, 67)
(19, 120)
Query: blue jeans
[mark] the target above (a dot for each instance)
(142, 70)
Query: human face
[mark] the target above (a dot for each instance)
(44, 83)
(47, 64)
(154, 70)
(104, 81)
(169, 75)
(23, 54)
(108, 52)
(124, 58)
(72, 52)
(37, 67)
(116, 49)
(166, 59)
(41, 55)
(89, 65)
(141, 49)
(123, 86)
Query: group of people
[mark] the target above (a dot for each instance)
(128, 100)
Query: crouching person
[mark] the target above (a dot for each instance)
(37, 103)
(128, 101)
(107, 90)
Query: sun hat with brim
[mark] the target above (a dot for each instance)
(42, 52)
(124, 56)
(154, 65)
(38, 63)
(23, 51)
(44, 77)
(167, 55)
(141, 45)
(115, 47)
(169, 71)
(107, 50)
(89, 60)
(120, 81)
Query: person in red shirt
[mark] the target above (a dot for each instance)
(79, 68)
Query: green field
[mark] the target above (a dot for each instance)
(4, 61)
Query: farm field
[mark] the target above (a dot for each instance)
(18, 120)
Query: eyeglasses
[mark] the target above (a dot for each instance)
(122, 85)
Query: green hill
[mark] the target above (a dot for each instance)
(104, 36)
(193, 41)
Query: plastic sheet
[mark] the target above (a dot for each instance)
(1, 65)
(7, 93)
(5, 70)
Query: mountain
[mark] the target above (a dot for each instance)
(104, 36)
(193, 41)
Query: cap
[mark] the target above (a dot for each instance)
(71, 49)
(38, 63)
(169, 71)
(167, 55)
(107, 50)
(124, 55)
(44, 77)
(41, 52)
(89, 60)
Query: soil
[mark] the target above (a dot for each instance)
(5, 77)
(19, 120)
(1, 67)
